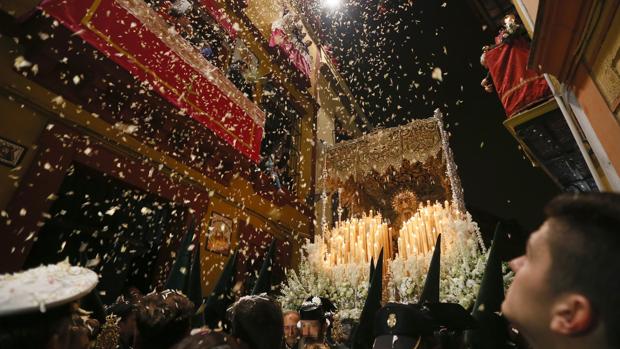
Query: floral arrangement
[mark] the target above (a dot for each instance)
(461, 273)
(346, 285)
(463, 257)
(463, 260)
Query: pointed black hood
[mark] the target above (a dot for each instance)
(372, 269)
(179, 273)
(430, 292)
(263, 283)
(492, 331)
(222, 295)
(491, 293)
(364, 334)
(194, 289)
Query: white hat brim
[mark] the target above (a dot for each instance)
(44, 287)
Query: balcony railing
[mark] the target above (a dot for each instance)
(138, 38)
(216, 41)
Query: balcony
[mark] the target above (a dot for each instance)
(209, 32)
(173, 60)
(177, 79)
(544, 136)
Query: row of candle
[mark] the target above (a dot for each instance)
(357, 240)
(417, 236)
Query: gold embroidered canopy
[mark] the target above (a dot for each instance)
(371, 170)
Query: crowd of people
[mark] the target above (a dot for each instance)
(564, 295)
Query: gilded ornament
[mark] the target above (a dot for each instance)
(391, 321)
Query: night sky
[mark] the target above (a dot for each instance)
(388, 54)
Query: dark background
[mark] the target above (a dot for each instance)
(389, 68)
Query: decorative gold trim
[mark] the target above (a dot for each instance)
(90, 12)
(417, 141)
(514, 88)
(529, 114)
(392, 320)
(417, 344)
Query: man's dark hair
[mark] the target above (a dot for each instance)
(211, 340)
(585, 251)
(34, 329)
(121, 308)
(258, 321)
(163, 319)
(290, 312)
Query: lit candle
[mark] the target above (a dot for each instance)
(371, 239)
(390, 254)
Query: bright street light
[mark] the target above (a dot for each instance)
(332, 4)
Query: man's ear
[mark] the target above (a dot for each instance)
(572, 315)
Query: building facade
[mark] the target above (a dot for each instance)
(576, 44)
(128, 124)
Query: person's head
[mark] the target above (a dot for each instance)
(291, 332)
(39, 304)
(316, 346)
(257, 320)
(80, 336)
(162, 319)
(127, 323)
(127, 328)
(403, 326)
(311, 329)
(314, 313)
(565, 289)
(83, 329)
(211, 340)
(133, 295)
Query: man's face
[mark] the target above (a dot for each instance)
(310, 329)
(291, 332)
(529, 299)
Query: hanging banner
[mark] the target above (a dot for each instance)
(135, 37)
(518, 87)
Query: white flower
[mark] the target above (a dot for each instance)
(346, 285)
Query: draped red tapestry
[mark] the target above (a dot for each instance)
(518, 87)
